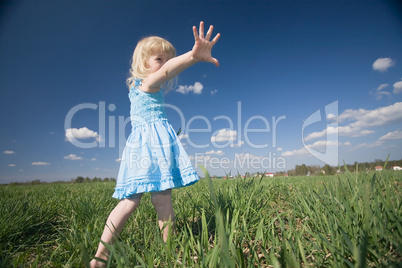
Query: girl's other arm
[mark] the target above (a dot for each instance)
(200, 52)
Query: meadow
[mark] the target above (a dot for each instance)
(347, 220)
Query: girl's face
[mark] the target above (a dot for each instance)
(156, 61)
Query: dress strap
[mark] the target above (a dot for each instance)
(136, 84)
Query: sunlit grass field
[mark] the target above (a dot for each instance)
(347, 220)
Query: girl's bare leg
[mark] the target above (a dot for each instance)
(114, 225)
(162, 201)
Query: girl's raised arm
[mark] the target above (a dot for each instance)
(201, 52)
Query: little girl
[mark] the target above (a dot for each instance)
(153, 159)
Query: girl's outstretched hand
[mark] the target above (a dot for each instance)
(202, 46)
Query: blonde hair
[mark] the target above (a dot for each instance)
(144, 49)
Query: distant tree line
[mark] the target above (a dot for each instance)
(303, 170)
(79, 179)
(371, 165)
(299, 170)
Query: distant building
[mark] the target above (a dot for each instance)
(378, 168)
(269, 174)
(396, 168)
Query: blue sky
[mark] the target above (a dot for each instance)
(282, 63)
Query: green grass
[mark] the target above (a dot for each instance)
(350, 220)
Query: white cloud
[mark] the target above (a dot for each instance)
(72, 157)
(382, 64)
(196, 88)
(330, 116)
(318, 146)
(93, 159)
(323, 143)
(382, 86)
(9, 152)
(341, 130)
(11, 165)
(219, 152)
(213, 92)
(81, 133)
(369, 145)
(379, 117)
(379, 93)
(349, 114)
(183, 136)
(40, 163)
(363, 119)
(301, 151)
(394, 135)
(398, 87)
(225, 135)
(236, 145)
(316, 135)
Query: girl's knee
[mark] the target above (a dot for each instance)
(159, 199)
(131, 203)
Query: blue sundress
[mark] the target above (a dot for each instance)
(153, 158)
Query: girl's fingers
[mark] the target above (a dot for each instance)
(215, 61)
(216, 38)
(209, 33)
(200, 34)
(201, 29)
(195, 33)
